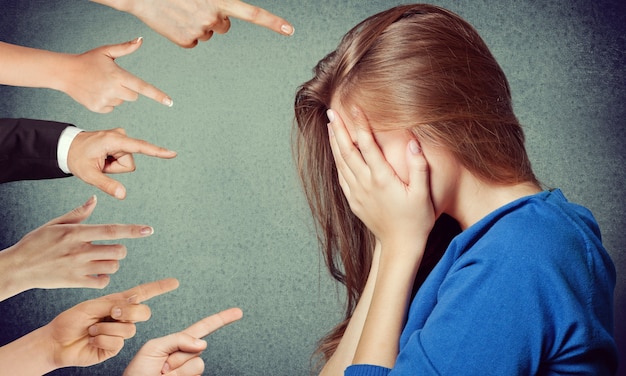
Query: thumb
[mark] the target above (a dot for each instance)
(77, 215)
(106, 184)
(181, 341)
(122, 49)
(180, 348)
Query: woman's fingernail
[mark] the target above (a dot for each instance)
(137, 40)
(331, 115)
(119, 193)
(166, 368)
(91, 201)
(116, 312)
(132, 299)
(145, 231)
(168, 102)
(414, 147)
(287, 29)
(93, 330)
(199, 342)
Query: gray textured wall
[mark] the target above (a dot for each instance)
(231, 222)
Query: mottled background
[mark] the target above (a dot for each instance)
(230, 219)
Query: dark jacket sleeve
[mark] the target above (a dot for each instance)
(28, 149)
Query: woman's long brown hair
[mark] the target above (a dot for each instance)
(416, 67)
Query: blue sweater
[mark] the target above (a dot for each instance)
(527, 290)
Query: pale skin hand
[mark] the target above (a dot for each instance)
(94, 154)
(179, 353)
(185, 22)
(86, 334)
(93, 78)
(399, 214)
(387, 206)
(60, 254)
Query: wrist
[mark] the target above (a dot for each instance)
(69, 137)
(402, 251)
(9, 269)
(29, 355)
(55, 74)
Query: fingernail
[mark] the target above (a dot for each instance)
(137, 40)
(166, 368)
(93, 330)
(132, 299)
(168, 102)
(331, 115)
(146, 231)
(119, 193)
(414, 147)
(287, 29)
(331, 133)
(199, 342)
(116, 312)
(91, 201)
(91, 340)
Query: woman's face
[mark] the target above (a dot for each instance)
(444, 169)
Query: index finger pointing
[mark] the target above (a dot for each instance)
(146, 291)
(212, 323)
(133, 145)
(257, 16)
(140, 86)
(88, 233)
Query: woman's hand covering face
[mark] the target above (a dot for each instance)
(395, 211)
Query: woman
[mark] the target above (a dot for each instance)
(412, 118)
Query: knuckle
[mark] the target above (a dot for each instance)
(346, 155)
(77, 212)
(65, 233)
(110, 230)
(255, 13)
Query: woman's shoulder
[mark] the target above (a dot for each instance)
(537, 228)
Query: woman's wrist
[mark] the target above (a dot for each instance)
(404, 253)
(56, 71)
(11, 283)
(31, 354)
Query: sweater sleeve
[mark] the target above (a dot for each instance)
(366, 370)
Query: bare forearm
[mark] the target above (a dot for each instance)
(385, 318)
(28, 355)
(30, 67)
(344, 354)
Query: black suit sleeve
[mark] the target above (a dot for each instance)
(28, 149)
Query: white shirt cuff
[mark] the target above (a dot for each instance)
(63, 148)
